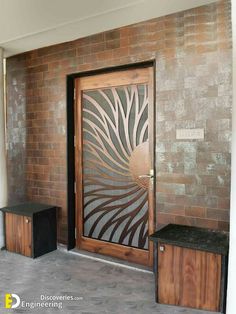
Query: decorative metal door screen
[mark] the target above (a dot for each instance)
(115, 162)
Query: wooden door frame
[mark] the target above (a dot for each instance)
(71, 217)
(130, 76)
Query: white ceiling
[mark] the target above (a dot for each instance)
(31, 24)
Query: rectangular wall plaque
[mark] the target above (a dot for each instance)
(190, 134)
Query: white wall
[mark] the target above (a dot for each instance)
(3, 172)
(33, 24)
(231, 295)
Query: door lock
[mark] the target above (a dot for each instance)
(162, 248)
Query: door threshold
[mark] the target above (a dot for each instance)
(107, 260)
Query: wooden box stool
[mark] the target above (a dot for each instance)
(30, 229)
(191, 267)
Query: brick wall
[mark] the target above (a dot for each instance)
(192, 50)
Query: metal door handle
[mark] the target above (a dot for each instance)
(149, 176)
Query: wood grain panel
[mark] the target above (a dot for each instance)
(8, 231)
(18, 234)
(27, 231)
(115, 79)
(189, 278)
(123, 252)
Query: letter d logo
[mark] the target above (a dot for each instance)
(8, 301)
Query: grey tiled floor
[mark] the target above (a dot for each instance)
(101, 288)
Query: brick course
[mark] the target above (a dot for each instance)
(192, 50)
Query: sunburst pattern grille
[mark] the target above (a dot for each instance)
(115, 125)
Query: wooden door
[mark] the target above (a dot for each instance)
(115, 164)
(18, 234)
(189, 278)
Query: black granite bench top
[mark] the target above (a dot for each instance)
(26, 209)
(193, 238)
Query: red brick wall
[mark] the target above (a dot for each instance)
(193, 89)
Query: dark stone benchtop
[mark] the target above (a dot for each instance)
(26, 209)
(193, 238)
